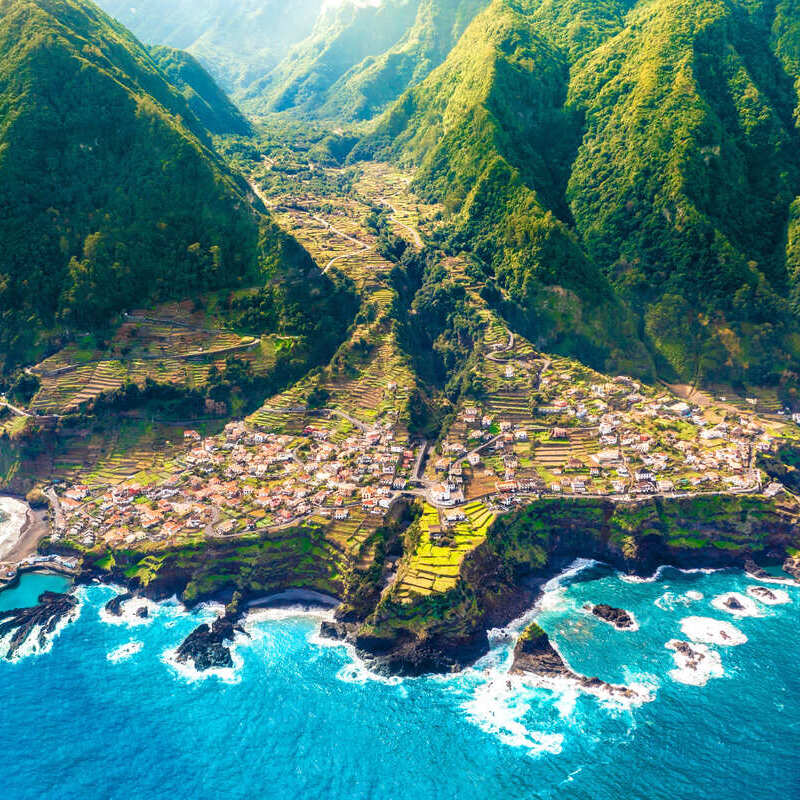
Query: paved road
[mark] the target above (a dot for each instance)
(18, 411)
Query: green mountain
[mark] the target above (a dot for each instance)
(239, 43)
(212, 107)
(111, 192)
(493, 140)
(644, 151)
(345, 34)
(370, 86)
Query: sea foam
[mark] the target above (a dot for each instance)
(712, 631)
(697, 668)
(748, 607)
(125, 652)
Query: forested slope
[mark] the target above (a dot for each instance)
(212, 107)
(110, 192)
(646, 150)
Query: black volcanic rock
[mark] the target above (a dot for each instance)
(338, 631)
(206, 646)
(535, 655)
(143, 612)
(751, 568)
(762, 593)
(617, 617)
(114, 605)
(733, 604)
(51, 610)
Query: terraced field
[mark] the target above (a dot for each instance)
(164, 348)
(134, 449)
(435, 564)
(555, 454)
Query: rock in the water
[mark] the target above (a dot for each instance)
(339, 631)
(733, 604)
(206, 646)
(143, 612)
(114, 605)
(535, 655)
(617, 617)
(751, 568)
(23, 622)
(762, 593)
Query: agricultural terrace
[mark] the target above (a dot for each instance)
(172, 344)
(369, 377)
(445, 538)
(552, 426)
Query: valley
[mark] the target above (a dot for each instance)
(334, 483)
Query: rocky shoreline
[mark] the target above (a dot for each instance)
(23, 622)
(499, 580)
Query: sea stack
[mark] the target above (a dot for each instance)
(618, 617)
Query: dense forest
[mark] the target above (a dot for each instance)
(627, 172)
(623, 172)
(111, 193)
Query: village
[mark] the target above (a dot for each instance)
(541, 426)
(616, 439)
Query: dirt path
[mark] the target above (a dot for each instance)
(415, 235)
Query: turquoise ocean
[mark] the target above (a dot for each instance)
(102, 713)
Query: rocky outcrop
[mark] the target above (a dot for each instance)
(337, 631)
(207, 646)
(752, 569)
(410, 656)
(792, 567)
(762, 593)
(535, 656)
(618, 617)
(44, 617)
(114, 605)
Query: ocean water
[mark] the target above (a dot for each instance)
(104, 714)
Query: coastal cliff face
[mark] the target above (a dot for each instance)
(445, 632)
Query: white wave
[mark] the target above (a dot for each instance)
(695, 668)
(356, 671)
(498, 708)
(659, 573)
(712, 631)
(575, 568)
(789, 582)
(769, 597)
(128, 616)
(749, 608)
(669, 601)
(125, 652)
